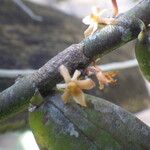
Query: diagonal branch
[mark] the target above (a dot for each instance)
(27, 10)
(77, 56)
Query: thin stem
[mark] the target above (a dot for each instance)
(27, 10)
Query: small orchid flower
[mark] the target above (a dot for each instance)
(95, 19)
(104, 78)
(73, 87)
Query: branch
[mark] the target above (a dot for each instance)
(27, 10)
(119, 65)
(14, 73)
(77, 56)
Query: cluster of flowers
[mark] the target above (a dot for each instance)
(73, 86)
(95, 19)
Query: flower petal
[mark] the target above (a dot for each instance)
(61, 86)
(66, 96)
(110, 21)
(85, 84)
(110, 74)
(95, 26)
(101, 78)
(95, 10)
(105, 78)
(87, 20)
(76, 74)
(65, 73)
(101, 86)
(102, 12)
(80, 98)
(88, 31)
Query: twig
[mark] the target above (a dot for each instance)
(77, 56)
(28, 11)
(8, 73)
(119, 65)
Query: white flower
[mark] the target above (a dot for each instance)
(73, 87)
(95, 19)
